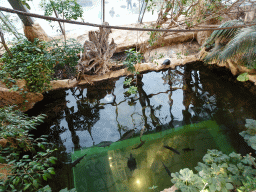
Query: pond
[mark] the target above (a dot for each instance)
(191, 109)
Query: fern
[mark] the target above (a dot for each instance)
(214, 54)
(241, 47)
(224, 35)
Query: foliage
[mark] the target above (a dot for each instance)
(236, 44)
(29, 159)
(6, 19)
(250, 134)
(224, 35)
(219, 172)
(24, 2)
(68, 9)
(194, 11)
(242, 48)
(64, 57)
(248, 186)
(133, 57)
(29, 62)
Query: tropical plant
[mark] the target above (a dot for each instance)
(236, 44)
(219, 172)
(250, 134)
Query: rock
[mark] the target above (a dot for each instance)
(9, 97)
(35, 31)
(166, 62)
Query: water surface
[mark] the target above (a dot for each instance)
(189, 96)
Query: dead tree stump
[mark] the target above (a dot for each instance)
(97, 52)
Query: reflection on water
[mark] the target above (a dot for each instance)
(84, 116)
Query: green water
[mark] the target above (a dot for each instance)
(105, 169)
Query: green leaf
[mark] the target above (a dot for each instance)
(186, 174)
(25, 156)
(229, 186)
(35, 183)
(27, 185)
(51, 171)
(243, 77)
(45, 177)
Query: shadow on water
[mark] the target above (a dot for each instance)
(82, 117)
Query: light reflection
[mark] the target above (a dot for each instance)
(110, 158)
(138, 181)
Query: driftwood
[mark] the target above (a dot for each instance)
(97, 52)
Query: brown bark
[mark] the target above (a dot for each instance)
(97, 52)
(4, 44)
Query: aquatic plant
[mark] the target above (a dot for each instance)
(250, 134)
(28, 161)
(219, 172)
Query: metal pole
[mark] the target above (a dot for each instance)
(103, 10)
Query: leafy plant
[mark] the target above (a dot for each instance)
(248, 186)
(236, 44)
(29, 159)
(250, 134)
(63, 57)
(29, 62)
(179, 55)
(133, 57)
(219, 172)
(70, 9)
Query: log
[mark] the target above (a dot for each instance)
(97, 52)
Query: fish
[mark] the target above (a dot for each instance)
(167, 170)
(187, 149)
(170, 148)
(131, 163)
(127, 135)
(141, 143)
(104, 144)
(74, 163)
